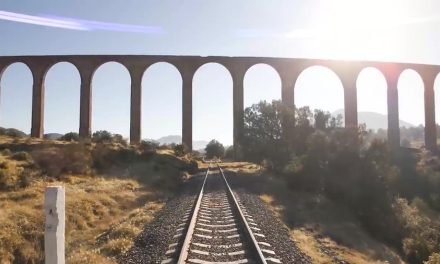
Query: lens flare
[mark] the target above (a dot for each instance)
(35, 20)
(77, 24)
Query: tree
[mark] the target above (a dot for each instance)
(321, 119)
(263, 133)
(229, 153)
(102, 136)
(214, 149)
(71, 136)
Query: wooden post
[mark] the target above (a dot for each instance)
(54, 204)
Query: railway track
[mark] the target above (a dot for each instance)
(218, 229)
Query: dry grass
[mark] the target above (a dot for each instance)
(94, 206)
(316, 223)
(103, 213)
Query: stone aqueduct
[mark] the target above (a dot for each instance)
(288, 69)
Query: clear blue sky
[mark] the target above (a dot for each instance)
(405, 31)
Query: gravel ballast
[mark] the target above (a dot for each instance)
(152, 243)
(276, 234)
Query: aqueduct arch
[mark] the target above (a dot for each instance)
(287, 68)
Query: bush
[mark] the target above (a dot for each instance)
(422, 235)
(102, 136)
(214, 149)
(71, 136)
(179, 150)
(148, 146)
(21, 156)
(12, 132)
(113, 160)
(433, 259)
(117, 138)
(9, 175)
(56, 161)
(24, 179)
(6, 152)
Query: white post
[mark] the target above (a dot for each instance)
(54, 230)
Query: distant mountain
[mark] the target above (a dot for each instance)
(197, 144)
(374, 120)
(170, 139)
(52, 136)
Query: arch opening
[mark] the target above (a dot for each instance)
(261, 83)
(62, 99)
(411, 109)
(319, 88)
(16, 83)
(212, 105)
(111, 89)
(437, 104)
(372, 101)
(162, 103)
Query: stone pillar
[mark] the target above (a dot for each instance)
(238, 110)
(430, 127)
(136, 106)
(187, 79)
(37, 128)
(393, 111)
(85, 112)
(350, 99)
(287, 97)
(54, 209)
(287, 91)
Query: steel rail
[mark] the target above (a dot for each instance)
(187, 242)
(256, 248)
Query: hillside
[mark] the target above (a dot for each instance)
(112, 191)
(373, 120)
(197, 144)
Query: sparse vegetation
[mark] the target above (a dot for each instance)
(112, 191)
(383, 190)
(104, 136)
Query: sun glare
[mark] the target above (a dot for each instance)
(358, 29)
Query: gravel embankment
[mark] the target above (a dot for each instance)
(276, 234)
(150, 246)
(152, 243)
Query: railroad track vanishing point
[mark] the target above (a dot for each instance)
(218, 229)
